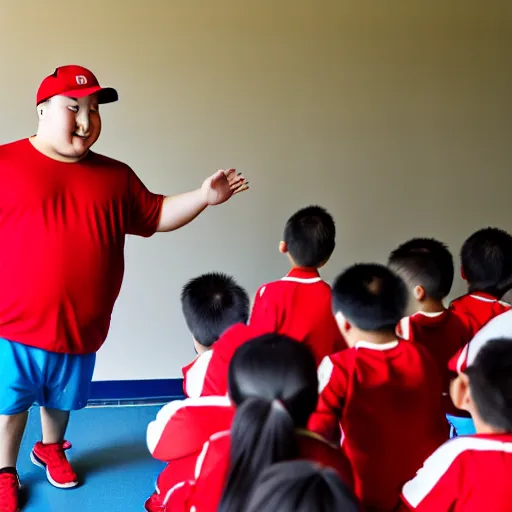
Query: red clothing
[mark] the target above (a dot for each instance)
(467, 474)
(442, 334)
(205, 492)
(387, 400)
(207, 374)
(63, 228)
(299, 306)
(476, 309)
(178, 434)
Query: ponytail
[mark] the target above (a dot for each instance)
(263, 433)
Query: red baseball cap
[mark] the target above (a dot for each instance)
(74, 82)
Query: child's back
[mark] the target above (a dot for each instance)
(299, 305)
(426, 266)
(473, 473)
(486, 262)
(385, 394)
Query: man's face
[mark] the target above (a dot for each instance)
(71, 125)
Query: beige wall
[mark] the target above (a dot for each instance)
(396, 116)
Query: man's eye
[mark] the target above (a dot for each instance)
(73, 108)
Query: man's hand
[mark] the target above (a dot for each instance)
(219, 187)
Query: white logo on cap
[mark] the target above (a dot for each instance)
(81, 80)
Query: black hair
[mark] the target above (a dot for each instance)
(486, 259)
(370, 296)
(425, 262)
(211, 303)
(273, 382)
(490, 382)
(310, 236)
(301, 486)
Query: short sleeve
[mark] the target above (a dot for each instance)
(144, 208)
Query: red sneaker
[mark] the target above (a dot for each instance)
(154, 503)
(52, 459)
(9, 490)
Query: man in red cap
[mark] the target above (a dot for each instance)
(64, 214)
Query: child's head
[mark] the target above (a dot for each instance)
(309, 237)
(426, 266)
(368, 299)
(486, 260)
(212, 303)
(484, 389)
(273, 382)
(301, 486)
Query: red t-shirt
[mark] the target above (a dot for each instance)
(387, 401)
(466, 474)
(63, 229)
(442, 334)
(207, 374)
(299, 306)
(204, 492)
(476, 309)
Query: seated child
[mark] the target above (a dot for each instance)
(426, 266)
(486, 265)
(274, 387)
(384, 393)
(216, 310)
(177, 436)
(300, 486)
(473, 473)
(299, 304)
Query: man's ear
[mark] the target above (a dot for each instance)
(460, 392)
(283, 247)
(41, 111)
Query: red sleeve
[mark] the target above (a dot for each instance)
(144, 208)
(437, 484)
(182, 427)
(333, 382)
(264, 311)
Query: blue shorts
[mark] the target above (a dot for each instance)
(30, 375)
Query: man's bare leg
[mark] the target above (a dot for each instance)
(54, 424)
(11, 434)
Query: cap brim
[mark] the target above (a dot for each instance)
(105, 94)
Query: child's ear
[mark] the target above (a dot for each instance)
(460, 393)
(343, 324)
(463, 274)
(283, 247)
(419, 293)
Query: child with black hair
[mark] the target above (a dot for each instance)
(473, 473)
(299, 304)
(273, 385)
(216, 311)
(301, 486)
(426, 266)
(384, 393)
(486, 265)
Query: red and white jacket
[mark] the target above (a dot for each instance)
(207, 374)
(387, 400)
(178, 434)
(476, 309)
(499, 327)
(442, 334)
(204, 492)
(299, 306)
(466, 474)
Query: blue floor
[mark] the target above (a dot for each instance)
(110, 456)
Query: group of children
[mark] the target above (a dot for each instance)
(369, 395)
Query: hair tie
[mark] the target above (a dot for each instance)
(278, 404)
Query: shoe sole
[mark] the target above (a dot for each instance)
(40, 464)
